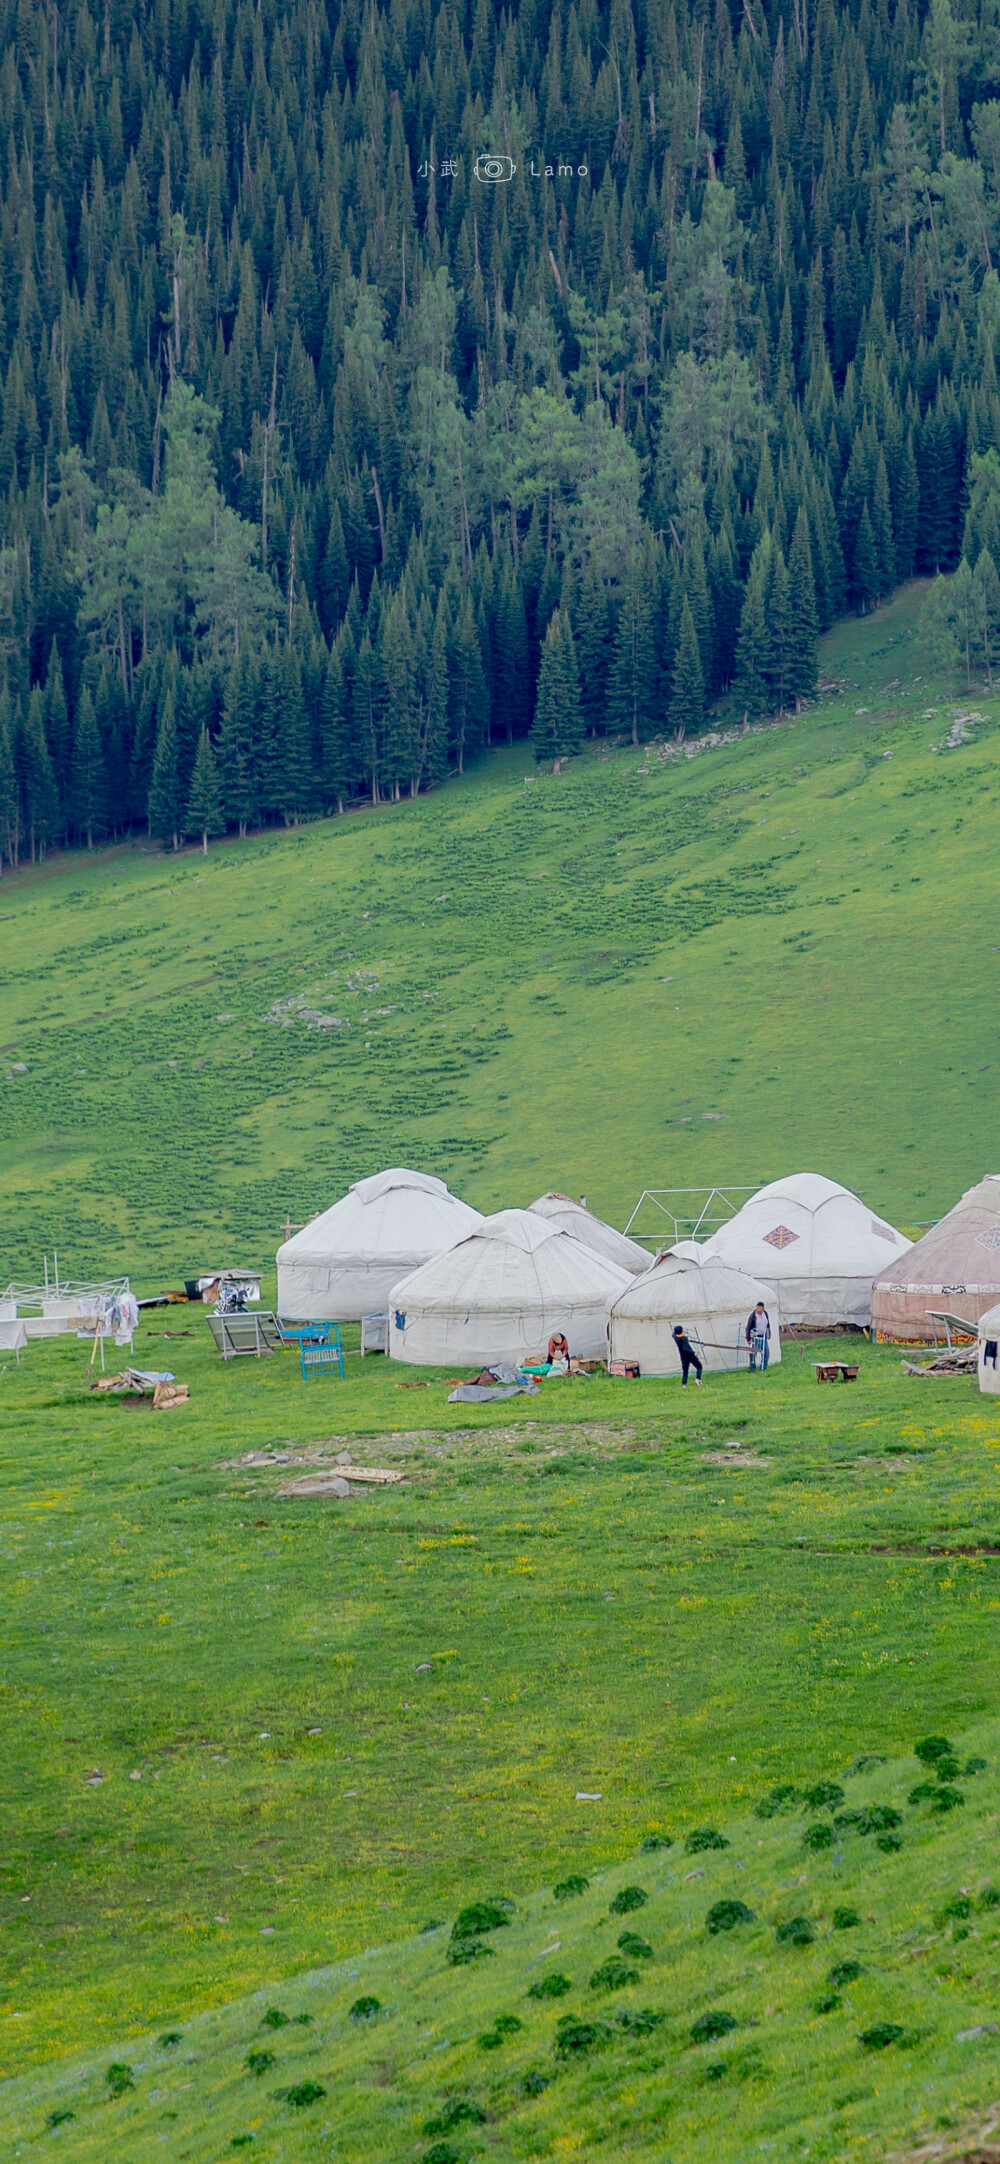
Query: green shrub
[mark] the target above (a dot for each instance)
(257, 2062)
(550, 1987)
(241, 2141)
(725, 1915)
(505, 2025)
(946, 1799)
(459, 1951)
(575, 2039)
(169, 2039)
(889, 1843)
(777, 1800)
(823, 1795)
(975, 1765)
(275, 2019)
(58, 2118)
(829, 2003)
(481, 1916)
(459, 2111)
(704, 1837)
(874, 1818)
(923, 1792)
(845, 1919)
(709, 2027)
(798, 1931)
(442, 2153)
(880, 2036)
(627, 1899)
(301, 2094)
(631, 1943)
(119, 2077)
(568, 1888)
(989, 1898)
(613, 1975)
(654, 1841)
(535, 2081)
(844, 1972)
(364, 2009)
(931, 1749)
(948, 1768)
(818, 1837)
(640, 2020)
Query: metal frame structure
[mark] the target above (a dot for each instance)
(704, 1210)
(89, 1292)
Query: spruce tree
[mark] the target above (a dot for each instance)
(41, 801)
(803, 628)
(89, 791)
(204, 805)
(633, 673)
(164, 787)
(9, 804)
(687, 697)
(558, 727)
(750, 684)
(778, 634)
(866, 565)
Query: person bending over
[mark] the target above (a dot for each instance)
(689, 1358)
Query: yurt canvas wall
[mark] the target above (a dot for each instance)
(955, 1266)
(346, 1262)
(989, 1352)
(514, 1282)
(816, 1243)
(710, 1300)
(581, 1224)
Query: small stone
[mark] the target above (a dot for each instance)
(338, 1487)
(424, 1668)
(344, 1457)
(982, 2028)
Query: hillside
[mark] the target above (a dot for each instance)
(650, 970)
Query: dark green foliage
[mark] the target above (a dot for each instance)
(845, 1919)
(932, 1748)
(778, 1799)
(568, 1888)
(480, 1916)
(709, 2027)
(651, 1842)
(975, 1765)
(796, 1931)
(443, 2152)
(558, 726)
(171, 2037)
(576, 2039)
(613, 1975)
(946, 1799)
(627, 1899)
(702, 1838)
(365, 2009)
(275, 2019)
(58, 2118)
(844, 1972)
(726, 1915)
(872, 1818)
(828, 2002)
(640, 2020)
(882, 2034)
(989, 1898)
(258, 2062)
(505, 2025)
(241, 2141)
(550, 1987)
(535, 2082)
(301, 2094)
(459, 2111)
(818, 1837)
(119, 2077)
(823, 1795)
(687, 691)
(630, 1943)
(460, 1951)
(889, 1843)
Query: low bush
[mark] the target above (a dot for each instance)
(798, 1931)
(119, 2078)
(459, 2111)
(481, 1916)
(365, 2009)
(880, 2036)
(818, 1837)
(778, 1799)
(844, 1972)
(258, 2062)
(505, 2025)
(654, 1841)
(640, 2020)
(931, 1749)
(726, 1915)
(460, 1951)
(630, 1943)
(629, 1898)
(845, 1919)
(823, 1795)
(301, 2094)
(569, 1888)
(704, 1837)
(574, 2039)
(550, 1987)
(709, 2027)
(828, 2003)
(613, 1975)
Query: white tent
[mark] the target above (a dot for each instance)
(816, 1243)
(501, 1294)
(712, 1301)
(346, 1262)
(989, 1352)
(581, 1224)
(956, 1266)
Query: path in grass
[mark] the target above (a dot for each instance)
(651, 970)
(592, 1590)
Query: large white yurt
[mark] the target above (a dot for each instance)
(346, 1262)
(816, 1243)
(581, 1224)
(989, 1352)
(513, 1283)
(956, 1266)
(713, 1303)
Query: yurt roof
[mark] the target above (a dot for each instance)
(583, 1224)
(512, 1260)
(962, 1249)
(396, 1214)
(808, 1226)
(677, 1287)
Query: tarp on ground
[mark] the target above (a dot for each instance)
(817, 1243)
(501, 1293)
(344, 1264)
(955, 1267)
(712, 1302)
(581, 1224)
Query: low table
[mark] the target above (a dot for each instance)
(832, 1371)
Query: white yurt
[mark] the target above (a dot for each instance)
(712, 1301)
(346, 1262)
(956, 1266)
(581, 1224)
(816, 1243)
(513, 1283)
(989, 1352)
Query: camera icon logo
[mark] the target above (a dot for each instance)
(491, 168)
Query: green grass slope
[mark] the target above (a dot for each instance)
(798, 1982)
(653, 969)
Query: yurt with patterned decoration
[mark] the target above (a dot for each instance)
(955, 1268)
(817, 1243)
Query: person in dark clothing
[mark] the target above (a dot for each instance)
(689, 1358)
(758, 1336)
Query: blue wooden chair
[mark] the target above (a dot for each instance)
(320, 1350)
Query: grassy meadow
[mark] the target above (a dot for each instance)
(651, 970)
(257, 1743)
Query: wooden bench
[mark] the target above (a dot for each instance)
(832, 1371)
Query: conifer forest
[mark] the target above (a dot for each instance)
(386, 380)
